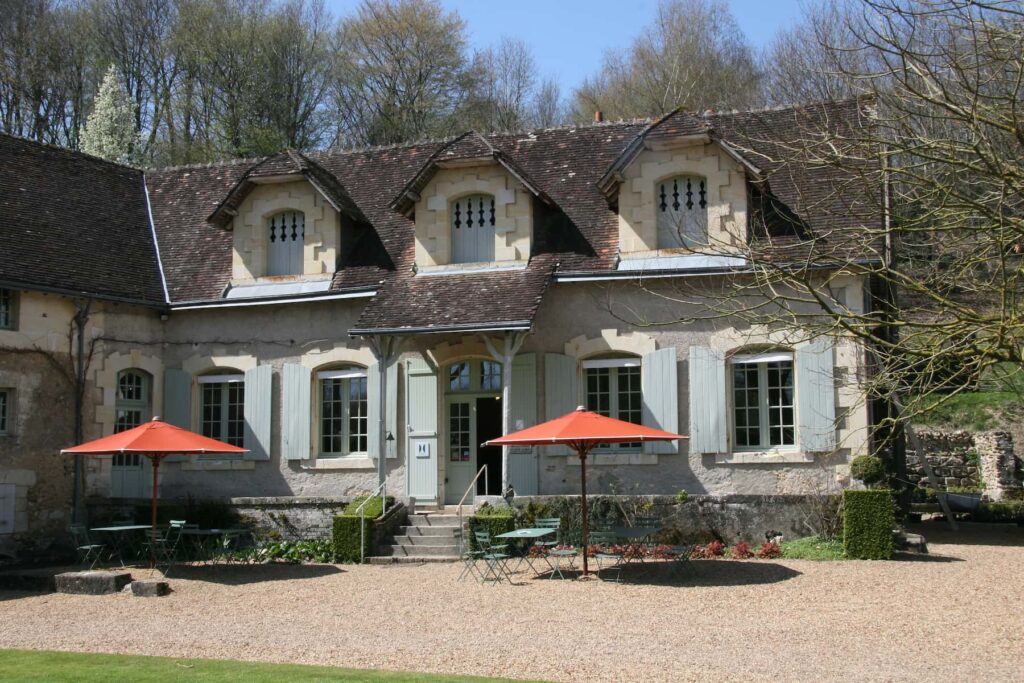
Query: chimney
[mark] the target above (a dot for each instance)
(598, 117)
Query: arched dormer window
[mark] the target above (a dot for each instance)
(682, 209)
(473, 229)
(286, 236)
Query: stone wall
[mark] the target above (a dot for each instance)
(966, 459)
(290, 518)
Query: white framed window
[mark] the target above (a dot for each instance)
(222, 407)
(474, 376)
(6, 411)
(682, 209)
(8, 309)
(613, 389)
(473, 219)
(286, 237)
(131, 408)
(343, 421)
(763, 401)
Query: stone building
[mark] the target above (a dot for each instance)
(351, 314)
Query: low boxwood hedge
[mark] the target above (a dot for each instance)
(868, 524)
(347, 533)
(493, 520)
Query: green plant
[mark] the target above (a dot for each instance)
(347, 531)
(682, 496)
(867, 524)
(491, 520)
(769, 551)
(965, 489)
(812, 548)
(292, 552)
(741, 551)
(1001, 511)
(868, 469)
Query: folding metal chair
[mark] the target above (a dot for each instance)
(88, 552)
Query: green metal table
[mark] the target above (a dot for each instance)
(531, 535)
(120, 540)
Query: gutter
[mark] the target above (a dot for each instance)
(592, 276)
(510, 326)
(79, 294)
(156, 244)
(270, 300)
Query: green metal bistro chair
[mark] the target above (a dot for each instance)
(680, 558)
(164, 545)
(88, 552)
(494, 556)
(470, 559)
(607, 557)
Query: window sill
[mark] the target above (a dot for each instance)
(763, 457)
(463, 268)
(342, 463)
(221, 464)
(616, 458)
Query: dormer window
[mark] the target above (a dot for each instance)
(286, 237)
(473, 229)
(682, 209)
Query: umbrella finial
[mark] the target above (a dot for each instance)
(580, 408)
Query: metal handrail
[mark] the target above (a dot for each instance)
(462, 501)
(383, 490)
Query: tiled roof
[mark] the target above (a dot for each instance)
(575, 226)
(76, 224)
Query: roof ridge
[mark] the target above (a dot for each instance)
(73, 152)
(855, 99)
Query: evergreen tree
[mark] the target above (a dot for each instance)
(110, 133)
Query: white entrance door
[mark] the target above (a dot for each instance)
(421, 445)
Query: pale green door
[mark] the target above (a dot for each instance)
(421, 444)
(460, 463)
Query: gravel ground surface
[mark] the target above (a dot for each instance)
(956, 614)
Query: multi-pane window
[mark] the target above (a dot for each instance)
(490, 376)
(132, 399)
(682, 209)
(343, 411)
(286, 237)
(613, 389)
(458, 376)
(459, 433)
(763, 401)
(222, 408)
(7, 315)
(473, 219)
(5, 411)
(483, 376)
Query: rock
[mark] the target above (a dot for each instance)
(91, 582)
(150, 589)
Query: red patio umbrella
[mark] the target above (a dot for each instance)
(582, 430)
(155, 440)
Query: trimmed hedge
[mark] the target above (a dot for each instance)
(346, 533)
(868, 524)
(493, 520)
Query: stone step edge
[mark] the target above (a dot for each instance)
(412, 559)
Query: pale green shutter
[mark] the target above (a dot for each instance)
(708, 417)
(295, 412)
(560, 393)
(815, 395)
(658, 381)
(258, 386)
(373, 407)
(522, 460)
(177, 403)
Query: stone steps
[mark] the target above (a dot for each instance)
(429, 537)
(433, 531)
(409, 559)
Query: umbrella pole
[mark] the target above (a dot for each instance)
(155, 461)
(583, 502)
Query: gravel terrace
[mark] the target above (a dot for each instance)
(956, 614)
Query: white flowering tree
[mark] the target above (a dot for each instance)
(110, 132)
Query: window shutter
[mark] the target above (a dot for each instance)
(560, 393)
(421, 430)
(658, 381)
(708, 416)
(258, 386)
(373, 407)
(177, 409)
(295, 412)
(522, 460)
(815, 395)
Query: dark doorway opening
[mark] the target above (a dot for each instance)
(488, 426)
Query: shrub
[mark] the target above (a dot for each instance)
(769, 551)
(682, 496)
(347, 533)
(867, 524)
(492, 520)
(868, 469)
(1001, 511)
(291, 552)
(708, 552)
(741, 551)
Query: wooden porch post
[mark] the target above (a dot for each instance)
(513, 342)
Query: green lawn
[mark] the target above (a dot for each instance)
(970, 410)
(812, 548)
(25, 665)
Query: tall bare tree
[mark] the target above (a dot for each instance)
(693, 55)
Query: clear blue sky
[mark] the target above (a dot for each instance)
(569, 37)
